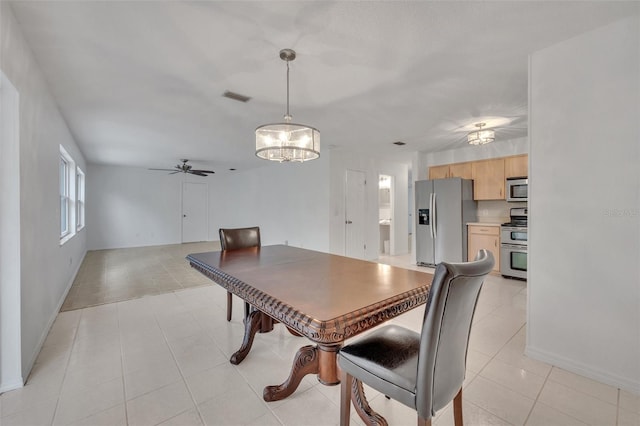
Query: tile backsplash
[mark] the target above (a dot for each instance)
(496, 211)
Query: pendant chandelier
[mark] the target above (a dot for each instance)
(287, 141)
(481, 137)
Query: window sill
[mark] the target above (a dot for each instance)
(66, 238)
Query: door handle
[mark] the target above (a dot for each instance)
(434, 217)
(431, 215)
(184, 215)
(348, 222)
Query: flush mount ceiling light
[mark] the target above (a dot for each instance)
(287, 141)
(481, 137)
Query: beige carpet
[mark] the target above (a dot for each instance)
(108, 276)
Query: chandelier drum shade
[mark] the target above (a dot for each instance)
(480, 136)
(287, 141)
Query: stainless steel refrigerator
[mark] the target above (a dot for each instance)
(443, 209)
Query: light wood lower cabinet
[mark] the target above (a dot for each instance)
(484, 237)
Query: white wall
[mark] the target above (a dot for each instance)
(46, 268)
(300, 204)
(289, 201)
(10, 353)
(132, 207)
(341, 161)
(584, 232)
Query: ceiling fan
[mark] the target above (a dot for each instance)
(186, 168)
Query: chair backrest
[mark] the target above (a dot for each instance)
(237, 238)
(445, 331)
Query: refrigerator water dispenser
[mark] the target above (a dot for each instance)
(423, 216)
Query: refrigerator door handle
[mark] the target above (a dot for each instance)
(433, 216)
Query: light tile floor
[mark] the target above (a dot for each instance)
(163, 359)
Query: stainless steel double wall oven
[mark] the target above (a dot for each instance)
(513, 244)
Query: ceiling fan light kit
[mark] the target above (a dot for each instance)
(287, 141)
(480, 136)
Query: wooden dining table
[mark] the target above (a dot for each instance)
(324, 297)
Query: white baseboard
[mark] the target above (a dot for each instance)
(585, 370)
(6, 387)
(26, 371)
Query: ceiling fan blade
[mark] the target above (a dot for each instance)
(164, 170)
(197, 173)
(173, 173)
(202, 171)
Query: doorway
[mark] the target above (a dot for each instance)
(195, 222)
(354, 214)
(385, 214)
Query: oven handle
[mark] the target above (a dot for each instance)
(513, 247)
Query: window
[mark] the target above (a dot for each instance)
(64, 197)
(67, 187)
(79, 199)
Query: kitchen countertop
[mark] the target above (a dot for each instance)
(484, 223)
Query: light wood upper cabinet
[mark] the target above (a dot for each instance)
(484, 237)
(439, 172)
(516, 166)
(488, 179)
(488, 175)
(461, 170)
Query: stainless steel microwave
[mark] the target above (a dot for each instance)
(517, 189)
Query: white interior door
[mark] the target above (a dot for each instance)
(355, 210)
(194, 212)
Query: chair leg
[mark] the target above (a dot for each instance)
(229, 305)
(364, 410)
(424, 422)
(345, 398)
(457, 409)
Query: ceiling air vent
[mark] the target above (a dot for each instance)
(235, 96)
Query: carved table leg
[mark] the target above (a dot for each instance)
(363, 409)
(266, 325)
(305, 362)
(252, 325)
(328, 364)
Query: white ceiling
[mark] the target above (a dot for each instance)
(140, 83)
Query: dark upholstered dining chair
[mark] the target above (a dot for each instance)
(423, 371)
(234, 239)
